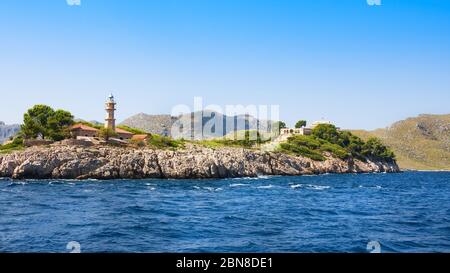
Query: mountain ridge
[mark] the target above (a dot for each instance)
(7, 131)
(163, 124)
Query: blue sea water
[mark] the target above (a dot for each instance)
(405, 212)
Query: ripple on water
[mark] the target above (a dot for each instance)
(310, 187)
(266, 187)
(238, 185)
(299, 214)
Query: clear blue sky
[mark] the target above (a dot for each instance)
(360, 66)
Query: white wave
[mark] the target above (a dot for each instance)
(310, 186)
(265, 187)
(21, 183)
(258, 177)
(212, 189)
(196, 187)
(317, 187)
(370, 187)
(151, 188)
(238, 185)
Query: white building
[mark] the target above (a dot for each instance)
(296, 131)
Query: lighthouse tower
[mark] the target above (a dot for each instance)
(110, 121)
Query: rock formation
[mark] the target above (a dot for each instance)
(105, 162)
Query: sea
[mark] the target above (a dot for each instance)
(351, 213)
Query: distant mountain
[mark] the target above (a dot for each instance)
(7, 131)
(203, 126)
(93, 122)
(154, 124)
(421, 142)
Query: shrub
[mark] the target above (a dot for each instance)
(302, 151)
(335, 149)
(375, 149)
(162, 142)
(16, 144)
(307, 141)
(106, 133)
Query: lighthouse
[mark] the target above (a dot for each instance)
(110, 121)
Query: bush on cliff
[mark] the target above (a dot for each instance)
(15, 145)
(162, 142)
(374, 148)
(106, 133)
(300, 150)
(241, 139)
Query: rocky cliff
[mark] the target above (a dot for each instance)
(78, 162)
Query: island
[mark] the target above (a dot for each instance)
(51, 145)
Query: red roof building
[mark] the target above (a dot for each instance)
(83, 130)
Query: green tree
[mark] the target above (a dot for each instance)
(300, 124)
(58, 125)
(42, 121)
(35, 121)
(327, 132)
(106, 133)
(374, 148)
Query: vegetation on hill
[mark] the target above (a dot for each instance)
(342, 144)
(132, 130)
(15, 145)
(421, 142)
(241, 139)
(90, 124)
(162, 142)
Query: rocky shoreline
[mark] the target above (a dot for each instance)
(193, 162)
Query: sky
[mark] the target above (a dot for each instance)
(360, 66)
